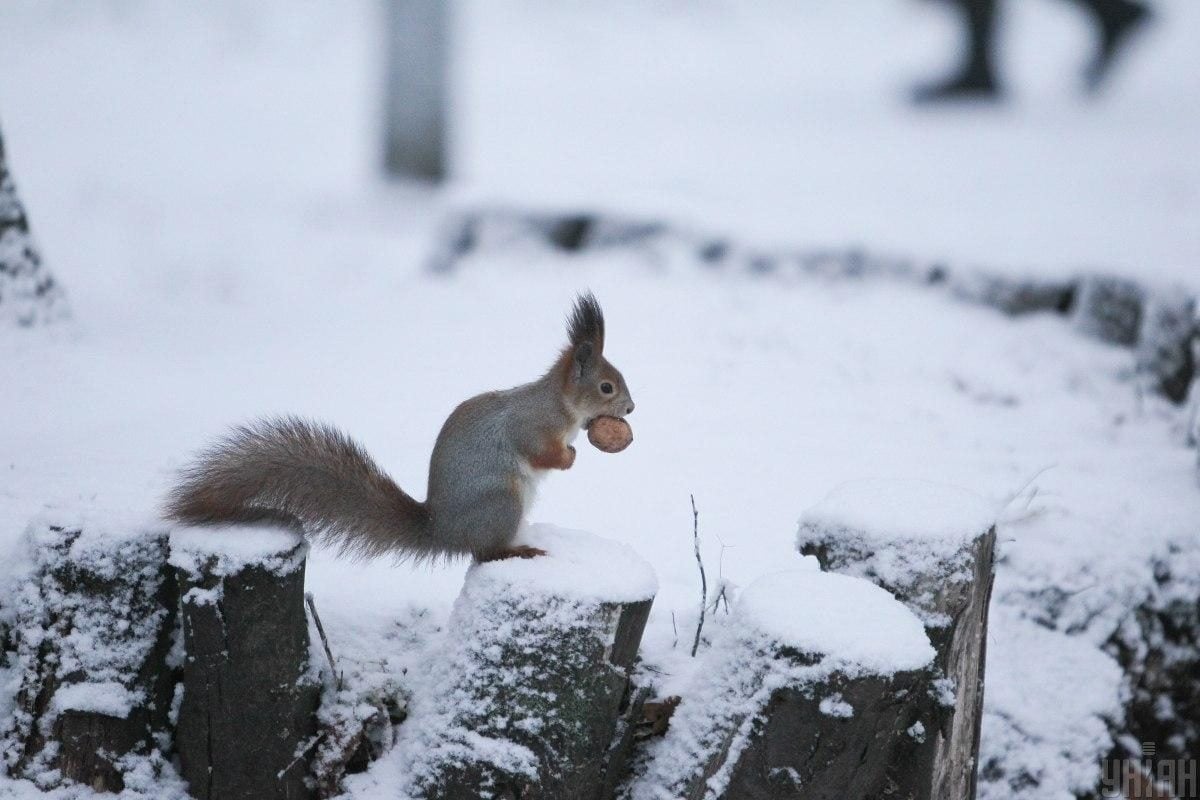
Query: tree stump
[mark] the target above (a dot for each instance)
(92, 628)
(28, 293)
(1164, 348)
(932, 547)
(1109, 309)
(534, 698)
(818, 687)
(246, 720)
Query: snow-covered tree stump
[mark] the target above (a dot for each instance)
(1164, 347)
(534, 697)
(91, 631)
(246, 717)
(817, 688)
(932, 547)
(1109, 309)
(28, 293)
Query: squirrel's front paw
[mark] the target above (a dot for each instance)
(569, 457)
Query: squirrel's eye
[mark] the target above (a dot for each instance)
(606, 388)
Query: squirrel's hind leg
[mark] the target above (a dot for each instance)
(486, 525)
(516, 551)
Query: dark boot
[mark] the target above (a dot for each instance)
(977, 78)
(1115, 21)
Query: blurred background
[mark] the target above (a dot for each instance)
(788, 122)
(243, 202)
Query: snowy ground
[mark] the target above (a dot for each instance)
(202, 181)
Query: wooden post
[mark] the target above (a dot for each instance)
(246, 723)
(932, 547)
(416, 88)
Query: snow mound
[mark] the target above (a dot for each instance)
(855, 624)
(577, 566)
(227, 549)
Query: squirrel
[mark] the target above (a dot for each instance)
(485, 465)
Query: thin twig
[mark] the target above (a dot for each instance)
(1020, 491)
(721, 595)
(333, 670)
(675, 641)
(703, 579)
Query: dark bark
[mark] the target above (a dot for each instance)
(803, 753)
(246, 724)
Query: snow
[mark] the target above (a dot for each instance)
(1047, 700)
(835, 706)
(228, 253)
(227, 549)
(900, 533)
(901, 513)
(108, 697)
(850, 621)
(577, 565)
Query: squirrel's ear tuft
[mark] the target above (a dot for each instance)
(583, 355)
(586, 323)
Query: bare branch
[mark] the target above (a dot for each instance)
(333, 670)
(703, 579)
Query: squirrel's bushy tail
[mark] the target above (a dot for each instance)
(291, 470)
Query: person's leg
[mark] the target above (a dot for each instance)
(1115, 21)
(976, 77)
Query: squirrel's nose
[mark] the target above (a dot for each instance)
(629, 408)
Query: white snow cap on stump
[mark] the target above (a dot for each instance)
(858, 627)
(229, 549)
(898, 533)
(887, 511)
(577, 566)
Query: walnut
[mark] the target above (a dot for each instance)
(610, 434)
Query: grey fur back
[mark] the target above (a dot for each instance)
(293, 471)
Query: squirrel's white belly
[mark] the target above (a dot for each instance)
(530, 478)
